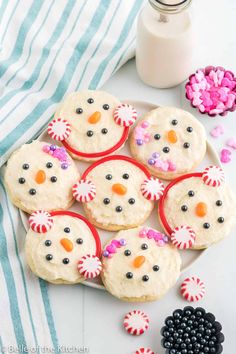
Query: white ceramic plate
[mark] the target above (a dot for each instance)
(189, 256)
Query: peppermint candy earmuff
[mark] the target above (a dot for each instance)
(183, 237)
(213, 176)
(152, 188)
(125, 115)
(89, 266)
(59, 129)
(40, 221)
(84, 191)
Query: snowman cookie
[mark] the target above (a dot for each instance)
(140, 265)
(62, 247)
(117, 193)
(198, 209)
(92, 124)
(40, 176)
(169, 142)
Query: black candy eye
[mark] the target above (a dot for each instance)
(106, 107)
(221, 219)
(219, 203)
(79, 241)
(206, 225)
(67, 230)
(106, 201)
(89, 133)
(90, 100)
(49, 257)
(79, 110)
(131, 201)
(49, 164)
(65, 261)
(48, 243)
(174, 122)
(21, 180)
(184, 208)
(32, 191)
(145, 278)
(125, 176)
(156, 268)
(118, 209)
(129, 275)
(157, 136)
(127, 253)
(104, 131)
(166, 149)
(191, 193)
(53, 179)
(25, 166)
(109, 177)
(189, 129)
(144, 246)
(186, 145)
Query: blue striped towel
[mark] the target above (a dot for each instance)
(48, 48)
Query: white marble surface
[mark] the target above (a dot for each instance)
(93, 318)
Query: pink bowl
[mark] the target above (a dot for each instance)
(212, 91)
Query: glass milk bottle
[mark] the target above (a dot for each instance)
(164, 51)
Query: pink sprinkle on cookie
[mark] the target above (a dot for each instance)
(89, 266)
(225, 155)
(183, 237)
(40, 221)
(193, 289)
(144, 351)
(136, 322)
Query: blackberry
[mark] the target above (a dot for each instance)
(192, 331)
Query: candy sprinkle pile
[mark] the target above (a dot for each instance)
(212, 91)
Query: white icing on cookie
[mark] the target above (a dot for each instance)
(55, 270)
(178, 197)
(133, 204)
(169, 141)
(166, 259)
(49, 195)
(90, 137)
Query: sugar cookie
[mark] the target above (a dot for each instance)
(92, 124)
(40, 176)
(169, 142)
(140, 265)
(58, 253)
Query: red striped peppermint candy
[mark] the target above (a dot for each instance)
(125, 115)
(89, 266)
(144, 351)
(59, 129)
(213, 176)
(183, 237)
(136, 322)
(152, 188)
(40, 221)
(84, 191)
(193, 289)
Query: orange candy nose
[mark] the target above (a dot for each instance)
(138, 261)
(201, 209)
(40, 177)
(172, 136)
(95, 117)
(119, 188)
(67, 244)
